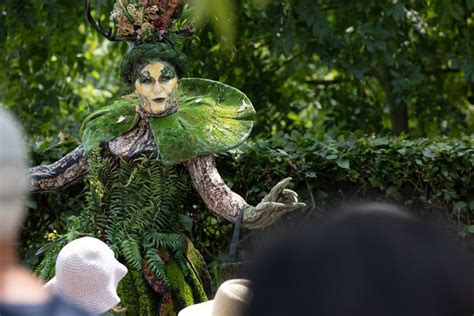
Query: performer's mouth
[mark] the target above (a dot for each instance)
(159, 100)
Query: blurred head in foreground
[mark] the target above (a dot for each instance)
(13, 184)
(375, 260)
(21, 293)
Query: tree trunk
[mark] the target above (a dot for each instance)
(399, 117)
(398, 111)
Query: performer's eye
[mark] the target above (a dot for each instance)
(145, 78)
(167, 74)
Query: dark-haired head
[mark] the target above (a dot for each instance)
(373, 261)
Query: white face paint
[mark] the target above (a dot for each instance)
(155, 85)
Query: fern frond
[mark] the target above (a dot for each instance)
(131, 252)
(157, 266)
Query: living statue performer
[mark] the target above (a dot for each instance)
(137, 155)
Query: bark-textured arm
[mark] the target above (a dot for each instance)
(218, 197)
(74, 166)
(66, 171)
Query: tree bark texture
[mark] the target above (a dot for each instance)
(218, 197)
(64, 172)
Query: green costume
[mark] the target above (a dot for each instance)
(135, 205)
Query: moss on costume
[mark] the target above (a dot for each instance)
(108, 123)
(136, 296)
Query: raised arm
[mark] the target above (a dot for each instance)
(220, 199)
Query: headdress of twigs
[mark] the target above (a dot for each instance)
(138, 20)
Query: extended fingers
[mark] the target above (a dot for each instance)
(277, 190)
(269, 207)
(288, 197)
(288, 191)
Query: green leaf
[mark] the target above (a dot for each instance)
(428, 153)
(397, 12)
(375, 181)
(32, 204)
(459, 206)
(344, 163)
(394, 192)
(311, 174)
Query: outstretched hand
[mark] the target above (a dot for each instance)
(275, 204)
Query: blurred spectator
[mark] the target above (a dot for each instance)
(376, 260)
(232, 299)
(88, 274)
(21, 293)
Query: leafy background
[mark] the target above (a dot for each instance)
(365, 99)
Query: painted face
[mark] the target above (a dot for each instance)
(155, 85)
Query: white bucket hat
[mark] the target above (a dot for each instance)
(87, 274)
(232, 298)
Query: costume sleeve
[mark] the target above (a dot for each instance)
(218, 197)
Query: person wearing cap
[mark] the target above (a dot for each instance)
(232, 299)
(21, 293)
(88, 274)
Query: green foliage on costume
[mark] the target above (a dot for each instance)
(108, 123)
(182, 291)
(135, 207)
(136, 297)
(141, 199)
(212, 117)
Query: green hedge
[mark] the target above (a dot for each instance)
(437, 172)
(422, 174)
(428, 172)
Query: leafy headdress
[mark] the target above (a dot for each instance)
(152, 28)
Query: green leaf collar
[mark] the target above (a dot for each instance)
(212, 117)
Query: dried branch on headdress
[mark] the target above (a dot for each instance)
(145, 20)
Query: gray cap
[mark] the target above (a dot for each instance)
(13, 181)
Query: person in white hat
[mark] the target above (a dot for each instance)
(21, 293)
(232, 299)
(88, 274)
